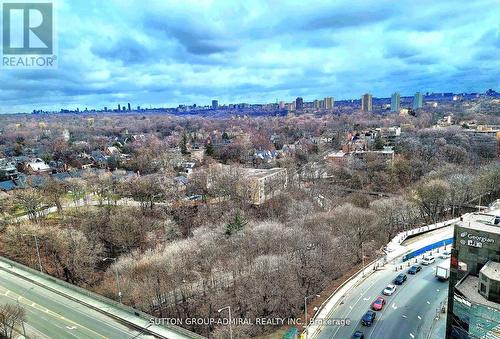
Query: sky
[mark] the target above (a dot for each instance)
(166, 53)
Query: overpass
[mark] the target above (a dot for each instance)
(56, 309)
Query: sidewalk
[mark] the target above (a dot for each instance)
(120, 312)
(438, 328)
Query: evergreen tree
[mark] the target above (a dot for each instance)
(237, 224)
(209, 149)
(379, 143)
(183, 144)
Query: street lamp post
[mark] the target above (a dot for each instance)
(117, 279)
(363, 259)
(230, 320)
(305, 311)
(37, 249)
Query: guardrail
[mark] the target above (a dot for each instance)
(131, 311)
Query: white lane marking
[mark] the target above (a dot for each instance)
(365, 299)
(428, 302)
(71, 327)
(404, 316)
(411, 335)
(419, 317)
(394, 306)
(351, 307)
(437, 290)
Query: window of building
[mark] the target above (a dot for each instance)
(483, 288)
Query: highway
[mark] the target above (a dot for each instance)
(50, 315)
(408, 313)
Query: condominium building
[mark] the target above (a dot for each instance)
(395, 102)
(418, 101)
(366, 102)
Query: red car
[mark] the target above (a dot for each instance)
(378, 304)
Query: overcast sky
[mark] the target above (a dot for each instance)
(167, 53)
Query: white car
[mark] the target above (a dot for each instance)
(389, 290)
(428, 260)
(445, 255)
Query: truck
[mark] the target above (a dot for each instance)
(443, 270)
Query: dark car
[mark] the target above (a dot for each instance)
(368, 318)
(414, 269)
(400, 279)
(358, 335)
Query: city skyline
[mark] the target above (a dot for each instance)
(237, 52)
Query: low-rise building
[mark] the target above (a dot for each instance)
(257, 185)
(8, 170)
(343, 158)
(265, 184)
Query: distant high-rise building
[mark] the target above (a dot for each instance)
(366, 102)
(418, 100)
(119, 108)
(395, 102)
(299, 103)
(129, 106)
(105, 109)
(138, 108)
(317, 104)
(215, 104)
(281, 104)
(329, 102)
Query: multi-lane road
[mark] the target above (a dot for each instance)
(408, 313)
(49, 315)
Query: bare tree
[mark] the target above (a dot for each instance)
(11, 316)
(31, 201)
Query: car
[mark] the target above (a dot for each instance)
(428, 260)
(389, 290)
(368, 318)
(445, 255)
(378, 304)
(358, 335)
(414, 269)
(400, 279)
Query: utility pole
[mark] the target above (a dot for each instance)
(117, 280)
(37, 249)
(305, 312)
